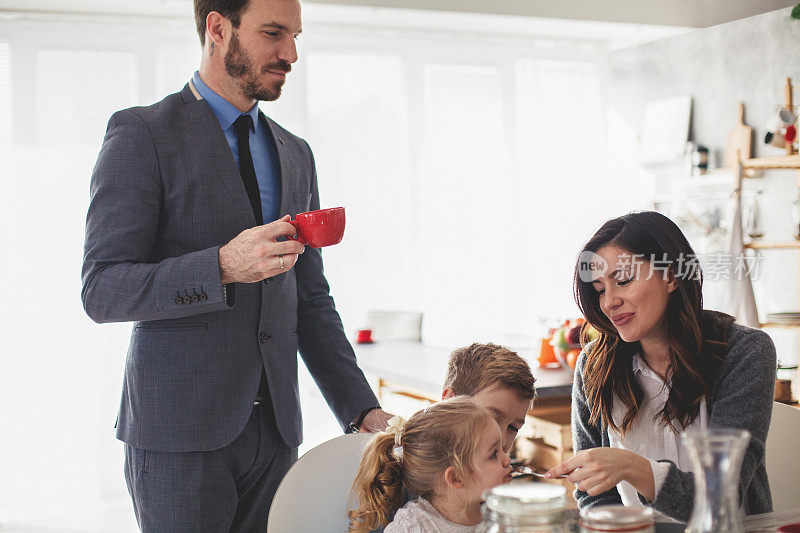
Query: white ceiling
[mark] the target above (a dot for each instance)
(686, 13)
(611, 35)
(613, 24)
(689, 13)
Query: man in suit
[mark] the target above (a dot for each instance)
(176, 242)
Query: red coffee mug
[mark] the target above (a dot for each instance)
(316, 229)
(364, 336)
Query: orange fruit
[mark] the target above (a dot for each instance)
(572, 357)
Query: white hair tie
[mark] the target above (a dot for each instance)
(395, 427)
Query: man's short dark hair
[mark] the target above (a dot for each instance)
(230, 9)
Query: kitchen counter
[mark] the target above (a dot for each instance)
(422, 368)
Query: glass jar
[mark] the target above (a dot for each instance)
(611, 518)
(699, 157)
(785, 382)
(752, 219)
(525, 508)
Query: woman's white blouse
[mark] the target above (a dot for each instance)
(648, 437)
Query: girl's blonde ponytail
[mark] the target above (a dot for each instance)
(378, 485)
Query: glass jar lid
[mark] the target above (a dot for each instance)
(524, 498)
(616, 518)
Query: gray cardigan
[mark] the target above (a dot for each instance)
(740, 397)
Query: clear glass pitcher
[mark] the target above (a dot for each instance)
(717, 459)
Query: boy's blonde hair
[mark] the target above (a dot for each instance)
(478, 366)
(443, 435)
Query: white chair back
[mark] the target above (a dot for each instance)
(313, 495)
(783, 458)
(395, 325)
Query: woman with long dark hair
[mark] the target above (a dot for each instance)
(662, 365)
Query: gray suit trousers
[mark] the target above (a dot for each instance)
(229, 489)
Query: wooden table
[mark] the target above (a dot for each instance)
(767, 522)
(420, 370)
(772, 521)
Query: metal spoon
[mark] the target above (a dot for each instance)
(522, 471)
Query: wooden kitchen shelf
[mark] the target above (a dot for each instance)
(778, 325)
(774, 162)
(757, 245)
(753, 167)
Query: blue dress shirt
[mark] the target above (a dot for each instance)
(262, 147)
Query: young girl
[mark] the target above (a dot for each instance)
(448, 454)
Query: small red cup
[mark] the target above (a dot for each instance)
(364, 336)
(791, 133)
(316, 229)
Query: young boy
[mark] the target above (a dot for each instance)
(498, 379)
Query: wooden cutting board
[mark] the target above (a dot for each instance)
(740, 138)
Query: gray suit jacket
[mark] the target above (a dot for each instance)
(165, 195)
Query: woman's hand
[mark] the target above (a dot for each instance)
(597, 470)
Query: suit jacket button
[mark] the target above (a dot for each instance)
(267, 281)
(203, 297)
(179, 300)
(195, 298)
(263, 337)
(186, 299)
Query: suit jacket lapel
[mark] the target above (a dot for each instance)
(204, 129)
(280, 146)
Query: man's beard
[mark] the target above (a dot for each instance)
(239, 66)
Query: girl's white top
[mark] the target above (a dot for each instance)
(419, 516)
(648, 437)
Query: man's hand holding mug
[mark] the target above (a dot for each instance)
(256, 254)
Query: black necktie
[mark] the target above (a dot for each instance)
(248, 172)
(243, 125)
